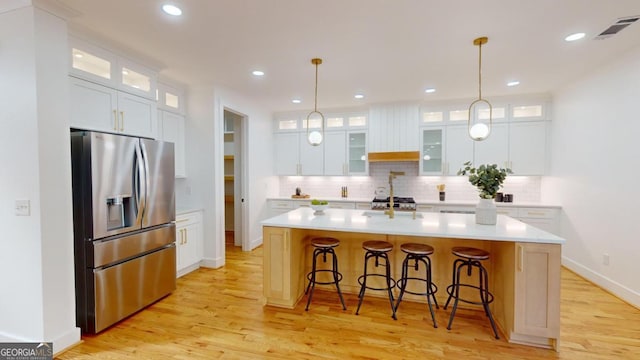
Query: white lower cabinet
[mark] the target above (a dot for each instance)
(97, 107)
(189, 242)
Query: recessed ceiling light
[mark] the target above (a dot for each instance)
(78, 55)
(172, 10)
(358, 96)
(513, 83)
(574, 37)
(430, 90)
(258, 73)
(296, 101)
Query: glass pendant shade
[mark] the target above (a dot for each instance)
(315, 137)
(479, 124)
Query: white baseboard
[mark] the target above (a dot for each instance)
(255, 243)
(66, 340)
(617, 289)
(60, 343)
(212, 263)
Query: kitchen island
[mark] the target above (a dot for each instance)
(524, 268)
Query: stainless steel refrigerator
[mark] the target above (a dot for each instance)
(123, 221)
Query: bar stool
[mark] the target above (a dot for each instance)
(377, 250)
(419, 253)
(470, 257)
(323, 246)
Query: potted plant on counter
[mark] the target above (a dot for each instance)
(488, 179)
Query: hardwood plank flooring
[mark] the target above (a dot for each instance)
(218, 314)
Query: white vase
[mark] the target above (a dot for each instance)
(486, 212)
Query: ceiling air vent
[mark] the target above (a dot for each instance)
(617, 26)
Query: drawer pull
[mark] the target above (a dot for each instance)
(182, 220)
(536, 213)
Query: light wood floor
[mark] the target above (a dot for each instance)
(218, 314)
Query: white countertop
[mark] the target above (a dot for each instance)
(461, 226)
(427, 202)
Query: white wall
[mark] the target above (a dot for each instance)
(204, 186)
(594, 174)
(36, 251)
(258, 167)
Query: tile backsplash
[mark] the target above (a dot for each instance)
(457, 188)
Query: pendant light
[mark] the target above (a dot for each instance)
(478, 130)
(315, 137)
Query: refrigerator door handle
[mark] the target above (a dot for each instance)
(139, 184)
(145, 177)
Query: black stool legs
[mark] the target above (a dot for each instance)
(454, 290)
(377, 255)
(430, 286)
(334, 270)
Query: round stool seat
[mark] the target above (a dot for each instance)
(416, 249)
(325, 242)
(377, 246)
(470, 253)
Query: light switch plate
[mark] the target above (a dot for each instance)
(23, 208)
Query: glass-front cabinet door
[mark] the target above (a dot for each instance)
(432, 155)
(357, 148)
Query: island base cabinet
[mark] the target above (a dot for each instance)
(537, 294)
(282, 276)
(526, 285)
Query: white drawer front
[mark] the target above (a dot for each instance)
(537, 213)
(512, 212)
(281, 204)
(426, 208)
(188, 218)
(342, 205)
(363, 206)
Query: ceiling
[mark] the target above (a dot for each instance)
(388, 50)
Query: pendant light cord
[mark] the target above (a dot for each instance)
(479, 71)
(315, 99)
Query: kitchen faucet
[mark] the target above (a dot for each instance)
(392, 175)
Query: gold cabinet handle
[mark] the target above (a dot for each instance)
(182, 220)
(186, 236)
(520, 257)
(115, 120)
(121, 120)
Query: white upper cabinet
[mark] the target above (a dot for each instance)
(311, 157)
(357, 153)
(394, 128)
(458, 148)
(93, 107)
(99, 108)
(527, 147)
(138, 116)
(432, 155)
(96, 64)
(344, 139)
(335, 153)
(495, 148)
(171, 129)
(287, 154)
(172, 99)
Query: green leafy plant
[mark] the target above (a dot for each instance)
(487, 178)
(319, 202)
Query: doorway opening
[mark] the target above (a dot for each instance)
(233, 177)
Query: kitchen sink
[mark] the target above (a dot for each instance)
(398, 214)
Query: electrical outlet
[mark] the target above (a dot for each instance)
(23, 208)
(605, 259)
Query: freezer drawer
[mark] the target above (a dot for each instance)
(105, 252)
(123, 289)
